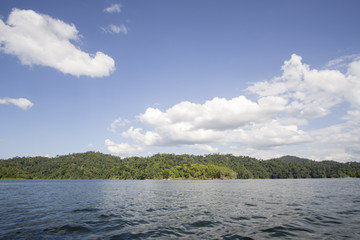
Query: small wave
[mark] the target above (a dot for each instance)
(235, 237)
(131, 235)
(240, 218)
(293, 205)
(250, 205)
(67, 229)
(107, 216)
(309, 220)
(22, 234)
(85, 210)
(167, 233)
(150, 210)
(202, 223)
(134, 222)
(349, 212)
(332, 222)
(286, 230)
(273, 203)
(278, 231)
(328, 220)
(96, 222)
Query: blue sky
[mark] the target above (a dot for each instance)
(257, 78)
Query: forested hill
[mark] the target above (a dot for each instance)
(95, 165)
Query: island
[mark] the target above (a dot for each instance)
(96, 165)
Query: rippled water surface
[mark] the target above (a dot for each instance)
(243, 209)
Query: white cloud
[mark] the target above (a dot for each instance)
(273, 133)
(340, 138)
(204, 147)
(114, 8)
(118, 123)
(342, 63)
(114, 29)
(38, 39)
(218, 113)
(216, 121)
(187, 130)
(123, 149)
(311, 93)
(149, 138)
(280, 122)
(354, 68)
(22, 103)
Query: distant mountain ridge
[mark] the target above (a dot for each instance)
(95, 165)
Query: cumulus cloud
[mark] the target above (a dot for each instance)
(122, 148)
(204, 147)
(114, 8)
(260, 135)
(237, 120)
(149, 138)
(38, 39)
(354, 68)
(115, 29)
(22, 103)
(311, 93)
(118, 123)
(218, 113)
(279, 122)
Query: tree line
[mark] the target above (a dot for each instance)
(95, 165)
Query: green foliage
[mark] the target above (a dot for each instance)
(199, 171)
(95, 165)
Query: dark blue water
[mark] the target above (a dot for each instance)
(244, 209)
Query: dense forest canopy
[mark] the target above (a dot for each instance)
(95, 165)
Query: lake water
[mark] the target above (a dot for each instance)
(241, 209)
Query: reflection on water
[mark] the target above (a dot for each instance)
(243, 209)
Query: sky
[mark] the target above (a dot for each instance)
(135, 78)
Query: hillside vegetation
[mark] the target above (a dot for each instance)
(95, 165)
